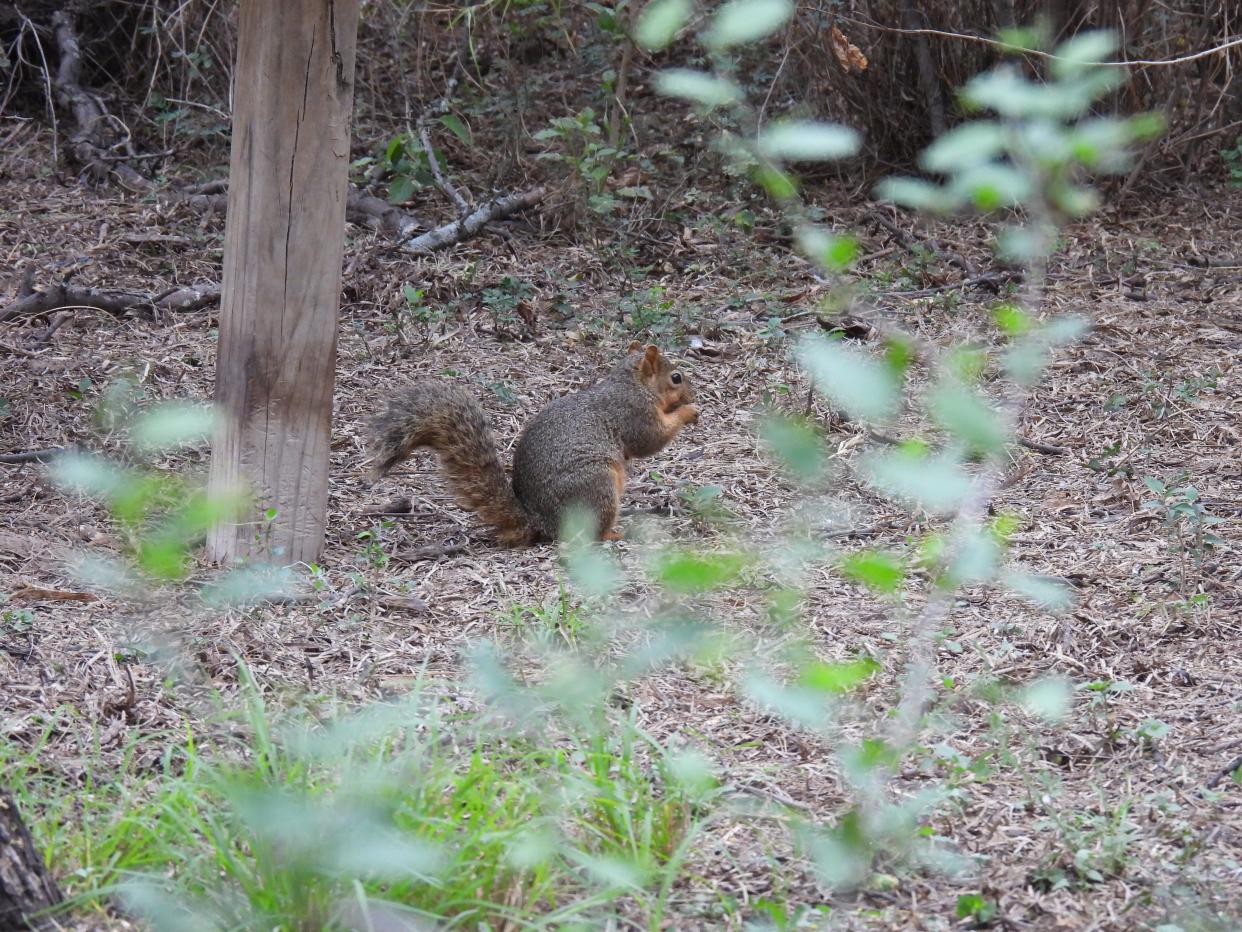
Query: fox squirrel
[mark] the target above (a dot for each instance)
(572, 454)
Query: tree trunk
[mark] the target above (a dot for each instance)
(25, 885)
(284, 239)
(929, 80)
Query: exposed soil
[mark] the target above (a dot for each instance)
(1153, 391)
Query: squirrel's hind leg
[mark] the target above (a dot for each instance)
(597, 490)
(608, 518)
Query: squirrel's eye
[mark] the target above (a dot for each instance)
(675, 378)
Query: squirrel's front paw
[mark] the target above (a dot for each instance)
(689, 414)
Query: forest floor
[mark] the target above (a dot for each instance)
(1101, 821)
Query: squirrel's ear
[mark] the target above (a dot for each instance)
(634, 347)
(651, 359)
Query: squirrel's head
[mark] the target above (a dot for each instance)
(653, 369)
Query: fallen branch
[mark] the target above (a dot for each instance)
(211, 197)
(63, 296)
(1046, 448)
(989, 280)
(192, 298)
(468, 226)
(442, 182)
(69, 297)
(431, 552)
(1228, 770)
(32, 456)
(911, 243)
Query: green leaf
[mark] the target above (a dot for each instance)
(692, 773)
(698, 86)
(961, 411)
(864, 387)
(992, 186)
(780, 185)
(1152, 730)
(1062, 330)
(838, 678)
(401, 189)
(1050, 594)
(1026, 359)
(807, 140)
(90, 475)
(934, 483)
(248, 585)
(1022, 38)
(1098, 142)
(976, 561)
(964, 146)
(660, 22)
(1005, 91)
(590, 568)
(1076, 200)
(878, 571)
(916, 194)
(1047, 698)
(173, 425)
(797, 444)
(162, 557)
(1147, 125)
(801, 705)
(1011, 319)
(833, 253)
(741, 21)
(456, 127)
(869, 754)
(1004, 526)
(1022, 244)
(974, 906)
(695, 572)
(899, 352)
(1083, 51)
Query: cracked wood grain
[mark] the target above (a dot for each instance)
(284, 243)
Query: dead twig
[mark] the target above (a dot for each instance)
(1045, 448)
(911, 244)
(63, 297)
(989, 280)
(442, 182)
(32, 456)
(1231, 767)
(211, 197)
(430, 552)
(468, 226)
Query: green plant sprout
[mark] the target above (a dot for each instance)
(1031, 163)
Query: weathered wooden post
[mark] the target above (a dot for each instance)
(284, 239)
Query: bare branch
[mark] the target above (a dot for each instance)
(468, 226)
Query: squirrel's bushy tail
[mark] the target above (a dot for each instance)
(451, 422)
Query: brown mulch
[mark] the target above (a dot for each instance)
(1154, 390)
